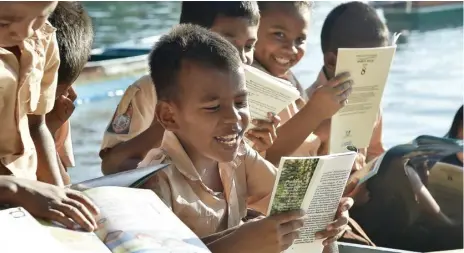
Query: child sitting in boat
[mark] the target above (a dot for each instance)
(213, 175)
(282, 37)
(74, 36)
(349, 25)
(133, 131)
(30, 58)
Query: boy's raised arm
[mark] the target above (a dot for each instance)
(326, 101)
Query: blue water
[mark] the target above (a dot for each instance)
(424, 89)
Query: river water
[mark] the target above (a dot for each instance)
(424, 89)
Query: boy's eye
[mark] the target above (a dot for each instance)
(4, 24)
(279, 35)
(241, 104)
(249, 47)
(212, 108)
(300, 40)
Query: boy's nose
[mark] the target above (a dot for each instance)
(232, 116)
(243, 56)
(21, 32)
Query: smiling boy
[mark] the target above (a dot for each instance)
(214, 176)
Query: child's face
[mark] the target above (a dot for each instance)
(281, 38)
(19, 20)
(210, 113)
(240, 33)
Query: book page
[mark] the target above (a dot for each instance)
(20, 232)
(267, 93)
(136, 220)
(369, 69)
(445, 184)
(77, 241)
(323, 197)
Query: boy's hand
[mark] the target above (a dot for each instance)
(332, 96)
(264, 134)
(335, 230)
(276, 233)
(359, 162)
(46, 201)
(62, 110)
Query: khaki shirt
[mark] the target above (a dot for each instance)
(247, 181)
(27, 86)
(323, 131)
(134, 114)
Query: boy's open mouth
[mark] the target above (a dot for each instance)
(229, 140)
(282, 60)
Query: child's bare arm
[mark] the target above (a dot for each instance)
(325, 102)
(127, 155)
(47, 169)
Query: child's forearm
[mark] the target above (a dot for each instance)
(294, 132)
(224, 242)
(48, 170)
(127, 155)
(212, 238)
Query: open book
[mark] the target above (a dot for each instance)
(131, 220)
(267, 93)
(131, 178)
(314, 184)
(369, 69)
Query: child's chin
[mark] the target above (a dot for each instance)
(226, 157)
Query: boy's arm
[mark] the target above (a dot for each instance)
(43, 139)
(376, 146)
(127, 155)
(126, 142)
(48, 170)
(326, 100)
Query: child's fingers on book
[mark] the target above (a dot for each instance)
(81, 198)
(287, 240)
(265, 134)
(291, 226)
(345, 204)
(340, 78)
(76, 215)
(60, 217)
(82, 209)
(285, 217)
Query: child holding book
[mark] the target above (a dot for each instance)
(349, 25)
(74, 36)
(282, 37)
(30, 60)
(133, 131)
(213, 175)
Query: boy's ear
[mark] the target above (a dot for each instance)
(166, 116)
(330, 63)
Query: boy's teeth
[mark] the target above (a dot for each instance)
(282, 60)
(227, 139)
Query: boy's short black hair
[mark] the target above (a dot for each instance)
(453, 132)
(204, 13)
(264, 5)
(74, 34)
(351, 25)
(187, 42)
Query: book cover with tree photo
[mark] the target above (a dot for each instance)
(293, 184)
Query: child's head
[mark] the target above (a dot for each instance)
(237, 21)
(19, 20)
(74, 34)
(282, 35)
(202, 97)
(351, 25)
